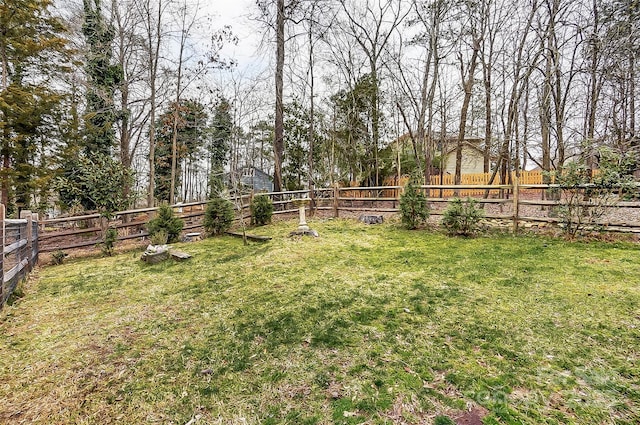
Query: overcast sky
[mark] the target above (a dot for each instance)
(234, 13)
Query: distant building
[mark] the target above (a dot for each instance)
(472, 156)
(256, 179)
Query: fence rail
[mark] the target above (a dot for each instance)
(19, 251)
(522, 202)
(519, 202)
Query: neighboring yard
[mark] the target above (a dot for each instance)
(365, 324)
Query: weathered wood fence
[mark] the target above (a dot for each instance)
(516, 204)
(19, 250)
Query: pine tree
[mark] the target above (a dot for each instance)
(192, 119)
(219, 145)
(32, 52)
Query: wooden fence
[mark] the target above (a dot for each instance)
(438, 183)
(19, 250)
(519, 203)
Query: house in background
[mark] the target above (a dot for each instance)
(472, 156)
(256, 179)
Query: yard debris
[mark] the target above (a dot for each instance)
(309, 232)
(371, 219)
(192, 237)
(179, 255)
(155, 254)
(195, 419)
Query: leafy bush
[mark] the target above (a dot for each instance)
(110, 238)
(218, 216)
(586, 198)
(261, 210)
(462, 218)
(165, 221)
(96, 183)
(57, 257)
(413, 207)
(160, 237)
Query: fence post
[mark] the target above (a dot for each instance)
(336, 192)
(27, 215)
(35, 219)
(2, 217)
(516, 204)
(104, 225)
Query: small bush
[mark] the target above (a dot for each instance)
(462, 218)
(586, 198)
(261, 210)
(160, 237)
(218, 216)
(413, 207)
(57, 257)
(166, 222)
(110, 238)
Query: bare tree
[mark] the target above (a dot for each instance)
(278, 142)
(152, 15)
(475, 29)
(516, 75)
(372, 27)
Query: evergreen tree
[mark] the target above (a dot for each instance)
(191, 126)
(295, 165)
(352, 129)
(96, 183)
(219, 144)
(103, 78)
(32, 52)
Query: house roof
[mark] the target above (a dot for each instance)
(449, 138)
(467, 144)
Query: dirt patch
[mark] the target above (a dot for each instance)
(473, 416)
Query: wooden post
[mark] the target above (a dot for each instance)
(312, 203)
(35, 218)
(336, 192)
(104, 225)
(516, 205)
(2, 212)
(26, 215)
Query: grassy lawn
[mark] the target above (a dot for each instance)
(365, 324)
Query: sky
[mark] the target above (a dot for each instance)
(235, 13)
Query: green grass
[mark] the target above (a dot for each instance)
(362, 325)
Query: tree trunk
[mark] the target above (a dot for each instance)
(468, 87)
(278, 143)
(4, 189)
(545, 115)
(375, 120)
(176, 111)
(311, 116)
(154, 54)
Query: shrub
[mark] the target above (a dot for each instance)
(57, 257)
(413, 207)
(110, 238)
(261, 210)
(167, 222)
(218, 216)
(462, 218)
(586, 198)
(160, 237)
